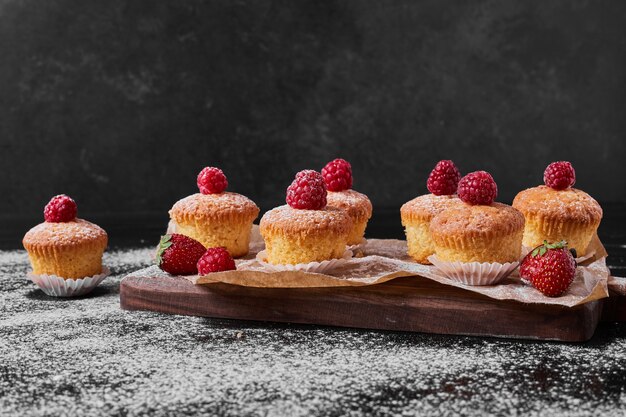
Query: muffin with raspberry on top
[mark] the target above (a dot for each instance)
(417, 214)
(478, 229)
(338, 179)
(215, 217)
(64, 245)
(556, 211)
(306, 229)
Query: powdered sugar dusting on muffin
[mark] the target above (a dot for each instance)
(571, 203)
(65, 233)
(428, 206)
(288, 219)
(214, 205)
(356, 204)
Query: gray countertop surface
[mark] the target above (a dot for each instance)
(86, 356)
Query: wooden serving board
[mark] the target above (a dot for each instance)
(407, 304)
(614, 308)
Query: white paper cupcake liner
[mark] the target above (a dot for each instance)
(474, 273)
(172, 227)
(317, 267)
(55, 286)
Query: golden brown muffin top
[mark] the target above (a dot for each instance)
(466, 220)
(220, 206)
(356, 204)
(569, 204)
(427, 206)
(290, 221)
(69, 233)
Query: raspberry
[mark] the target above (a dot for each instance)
(478, 188)
(338, 175)
(212, 180)
(307, 191)
(559, 175)
(61, 208)
(444, 178)
(215, 260)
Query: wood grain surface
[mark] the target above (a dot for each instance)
(405, 304)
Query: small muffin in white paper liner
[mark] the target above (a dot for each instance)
(317, 267)
(474, 273)
(55, 286)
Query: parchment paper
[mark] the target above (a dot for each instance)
(381, 260)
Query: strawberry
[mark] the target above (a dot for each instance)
(179, 254)
(550, 268)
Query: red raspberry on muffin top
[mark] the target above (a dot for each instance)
(559, 175)
(212, 180)
(307, 191)
(478, 188)
(337, 175)
(61, 208)
(215, 260)
(444, 178)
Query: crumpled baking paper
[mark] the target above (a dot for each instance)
(381, 260)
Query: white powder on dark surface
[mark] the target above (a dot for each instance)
(86, 356)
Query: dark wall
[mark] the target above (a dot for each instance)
(120, 103)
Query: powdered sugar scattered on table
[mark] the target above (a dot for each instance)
(85, 356)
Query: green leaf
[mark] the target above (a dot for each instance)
(543, 249)
(164, 243)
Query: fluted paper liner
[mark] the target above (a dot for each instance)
(322, 267)
(55, 286)
(382, 260)
(474, 273)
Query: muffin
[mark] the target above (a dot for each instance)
(65, 246)
(338, 179)
(416, 216)
(478, 229)
(215, 217)
(556, 211)
(294, 236)
(306, 229)
(478, 233)
(417, 213)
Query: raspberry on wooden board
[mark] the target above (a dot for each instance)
(215, 260)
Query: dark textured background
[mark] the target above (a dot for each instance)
(120, 103)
